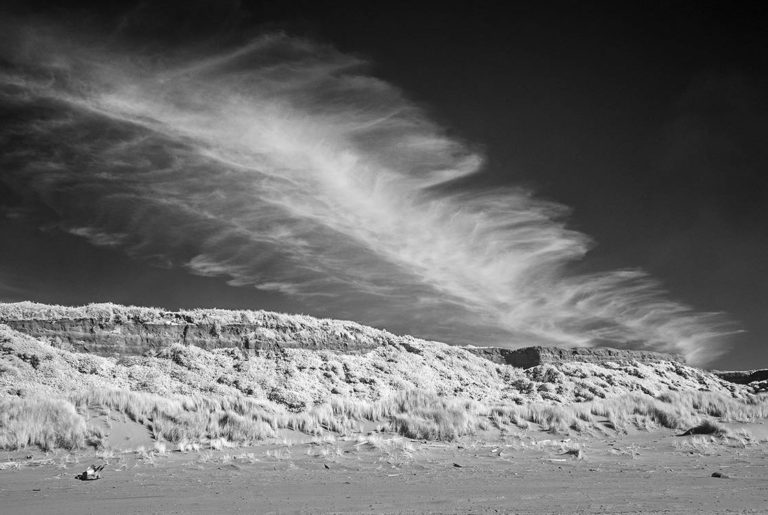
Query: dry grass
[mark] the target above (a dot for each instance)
(425, 417)
(41, 422)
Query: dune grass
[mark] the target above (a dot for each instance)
(42, 422)
(57, 423)
(674, 410)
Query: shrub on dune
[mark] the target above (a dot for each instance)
(707, 427)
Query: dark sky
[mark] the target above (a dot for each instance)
(648, 120)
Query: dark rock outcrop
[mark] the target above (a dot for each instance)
(533, 356)
(742, 376)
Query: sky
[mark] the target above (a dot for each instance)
(564, 174)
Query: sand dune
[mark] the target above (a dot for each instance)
(388, 407)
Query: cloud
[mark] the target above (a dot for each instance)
(281, 164)
(97, 237)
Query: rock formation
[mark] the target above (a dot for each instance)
(533, 356)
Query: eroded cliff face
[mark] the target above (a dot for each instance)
(109, 330)
(136, 338)
(115, 330)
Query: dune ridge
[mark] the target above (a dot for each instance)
(419, 389)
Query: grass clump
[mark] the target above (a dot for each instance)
(425, 416)
(42, 422)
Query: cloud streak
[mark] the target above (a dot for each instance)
(282, 164)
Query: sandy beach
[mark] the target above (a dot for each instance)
(636, 473)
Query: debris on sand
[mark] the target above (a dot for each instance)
(91, 473)
(576, 453)
(720, 475)
(458, 466)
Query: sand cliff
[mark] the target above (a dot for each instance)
(109, 330)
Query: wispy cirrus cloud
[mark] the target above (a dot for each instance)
(282, 164)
